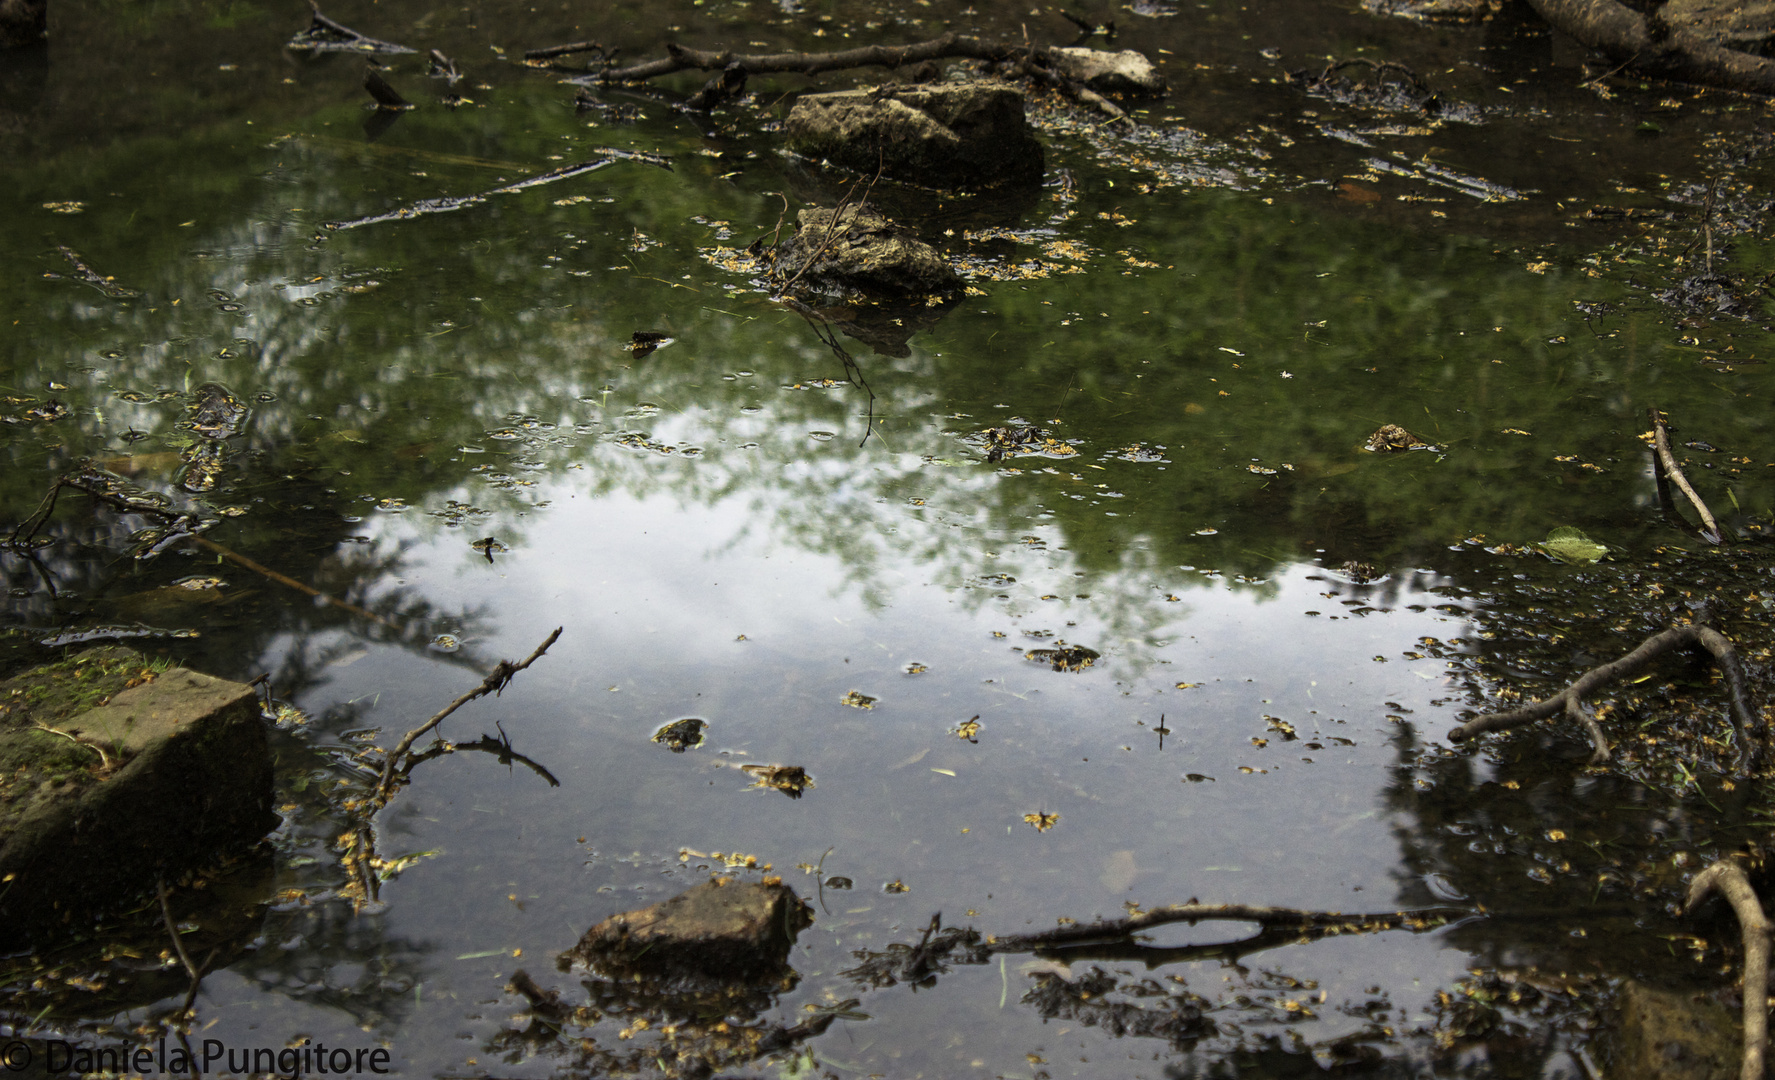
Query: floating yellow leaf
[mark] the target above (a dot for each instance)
(1042, 821)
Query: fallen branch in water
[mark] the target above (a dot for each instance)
(494, 683)
(1031, 61)
(1729, 880)
(443, 206)
(325, 35)
(1665, 465)
(1571, 699)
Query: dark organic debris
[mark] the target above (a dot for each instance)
(1064, 657)
(1392, 438)
(325, 35)
(791, 780)
(1403, 92)
(587, 101)
(46, 411)
(644, 342)
(1018, 440)
(681, 735)
(215, 412)
(1176, 1017)
(1715, 293)
(920, 963)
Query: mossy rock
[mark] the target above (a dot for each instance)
(116, 773)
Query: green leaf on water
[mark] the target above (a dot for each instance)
(1570, 545)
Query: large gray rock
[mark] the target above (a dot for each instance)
(113, 777)
(855, 249)
(948, 135)
(1125, 72)
(722, 930)
(1661, 1035)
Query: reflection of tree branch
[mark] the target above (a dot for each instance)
(194, 970)
(442, 206)
(487, 744)
(1272, 919)
(1726, 877)
(1154, 956)
(495, 682)
(853, 373)
(1570, 700)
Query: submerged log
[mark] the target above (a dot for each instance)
(1685, 43)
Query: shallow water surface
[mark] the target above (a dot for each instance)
(788, 526)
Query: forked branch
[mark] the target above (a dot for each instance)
(1571, 700)
(495, 682)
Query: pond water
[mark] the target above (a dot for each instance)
(795, 534)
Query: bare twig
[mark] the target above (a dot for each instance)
(1570, 700)
(1728, 879)
(1667, 460)
(1330, 922)
(495, 682)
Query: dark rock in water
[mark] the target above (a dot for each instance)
(949, 135)
(1125, 72)
(1673, 1036)
(854, 248)
(112, 777)
(731, 932)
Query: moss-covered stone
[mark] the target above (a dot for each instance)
(115, 773)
